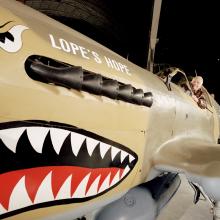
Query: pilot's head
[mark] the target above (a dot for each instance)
(197, 83)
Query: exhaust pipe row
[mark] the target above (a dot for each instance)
(74, 77)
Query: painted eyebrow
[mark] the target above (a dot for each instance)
(5, 24)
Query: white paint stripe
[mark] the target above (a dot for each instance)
(131, 158)
(103, 149)
(11, 136)
(91, 144)
(36, 136)
(116, 178)
(114, 152)
(123, 155)
(19, 197)
(65, 189)
(126, 170)
(2, 210)
(58, 136)
(105, 184)
(81, 189)
(93, 190)
(44, 193)
(76, 142)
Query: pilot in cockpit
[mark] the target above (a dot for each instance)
(196, 85)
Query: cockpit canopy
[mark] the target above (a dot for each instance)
(177, 76)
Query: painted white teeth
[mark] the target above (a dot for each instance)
(91, 144)
(81, 189)
(131, 158)
(123, 155)
(58, 136)
(36, 136)
(126, 170)
(114, 152)
(76, 142)
(44, 193)
(11, 136)
(105, 184)
(93, 190)
(116, 178)
(19, 197)
(2, 210)
(65, 190)
(103, 149)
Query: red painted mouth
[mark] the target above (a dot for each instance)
(53, 183)
(44, 164)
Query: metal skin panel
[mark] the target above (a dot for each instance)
(174, 132)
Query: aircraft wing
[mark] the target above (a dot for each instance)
(191, 156)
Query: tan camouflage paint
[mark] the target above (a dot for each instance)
(173, 132)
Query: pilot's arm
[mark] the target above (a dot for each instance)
(202, 102)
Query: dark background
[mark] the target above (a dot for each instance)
(189, 38)
(188, 35)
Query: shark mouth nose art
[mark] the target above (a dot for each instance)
(47, 163)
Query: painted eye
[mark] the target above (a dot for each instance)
(5, 35)
(11, 39)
